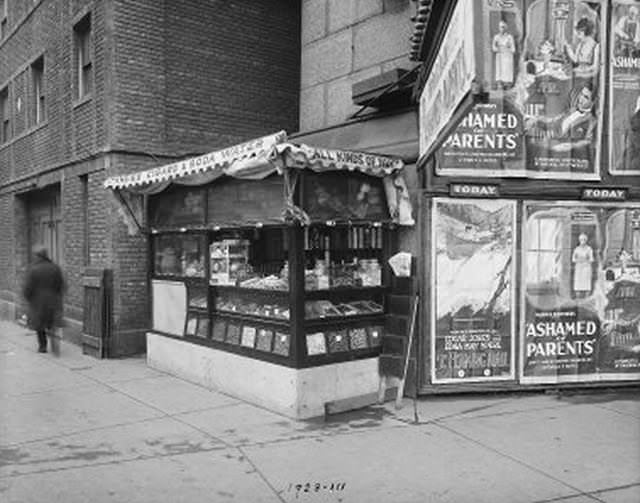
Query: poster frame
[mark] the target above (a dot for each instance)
(593, 175)
(559, 379)
(610, 131)
(444, 64)
(433, 293)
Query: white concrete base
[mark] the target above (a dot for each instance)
(299, 394)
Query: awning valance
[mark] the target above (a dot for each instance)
(323, 159)
(257, 159)
(259, 148)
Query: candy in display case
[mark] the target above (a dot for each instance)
(375, 335)
(248, 337)
(203, 327)
(316, 344)
(197, 296)
(179, 255)
(315, 309)
(338, 341)
(264, 338)
(219, 330)
(233, 333)
(358, 338)
(236, 302)
(228, 261)
(192, 325)
(281, 344)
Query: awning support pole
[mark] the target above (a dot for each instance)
(131, 212)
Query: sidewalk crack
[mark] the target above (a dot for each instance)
(261, 475)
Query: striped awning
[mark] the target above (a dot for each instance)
(257, 159)
(323, 159)
(217, 160)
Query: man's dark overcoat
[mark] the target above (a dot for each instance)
(44, 290)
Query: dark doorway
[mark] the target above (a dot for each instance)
(45, 221)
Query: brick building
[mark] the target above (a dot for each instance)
(91, 88)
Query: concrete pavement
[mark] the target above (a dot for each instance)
(76, 429)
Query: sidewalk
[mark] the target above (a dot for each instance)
(77, 429)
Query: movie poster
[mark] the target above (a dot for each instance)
(580, 292)
(624, 86)
(489, 139)
(541, 64)
(473, 313)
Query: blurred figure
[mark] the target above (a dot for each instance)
(44, 289)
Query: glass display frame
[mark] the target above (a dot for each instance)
(266, 320)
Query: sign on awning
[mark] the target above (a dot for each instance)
(259, 147)
(258, 159)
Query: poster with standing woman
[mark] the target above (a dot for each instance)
(624, 88)
(473, 312)
(580, 292)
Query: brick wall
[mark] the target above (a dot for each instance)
(170, 78)
(71, 129)
(343, 42)
(129, 259)
(228, 71)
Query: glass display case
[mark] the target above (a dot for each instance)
(290, 294)
(344, 288)
(179, 255)
(253, 303)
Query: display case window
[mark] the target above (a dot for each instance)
(241, 295)
(248, 337)
(197, 295)
(236, 202)
(264, 339)
(177, 207)
(316, 344)
(179, 255)
(281, 343)
(344, 256)
(253, 259)
(192, 325)
(338, 341)
(375, 335)
(358, 338)
(233, 333)
(203, 327)
(254, 304)
(344, 196)
(318, 309)
(219, 330)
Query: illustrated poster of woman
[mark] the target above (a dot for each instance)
(583, 259)
(504, 48)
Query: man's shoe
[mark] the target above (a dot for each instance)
(42, 350)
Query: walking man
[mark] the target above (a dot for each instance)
(43, 290)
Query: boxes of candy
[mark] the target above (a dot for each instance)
(281, 344)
